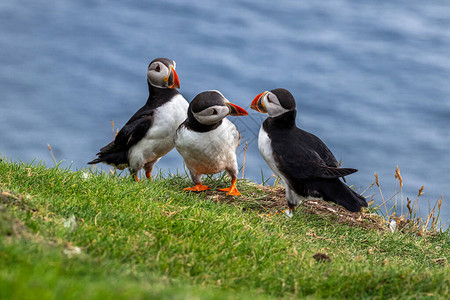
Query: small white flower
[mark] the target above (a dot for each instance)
(392, 225)
(72, 250)
(70, 222)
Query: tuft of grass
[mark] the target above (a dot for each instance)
(94, 235)
(53, 156)
(409, 220)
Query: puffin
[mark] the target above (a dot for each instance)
(302, 160)
(207, 140)
(149, 133)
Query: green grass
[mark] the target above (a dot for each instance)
(153, 240)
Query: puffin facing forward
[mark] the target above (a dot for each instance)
(302, 161)
(148, 135)
(207, 140)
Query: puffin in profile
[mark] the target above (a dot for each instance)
(207, 140)
(303, 162)
(148, 135)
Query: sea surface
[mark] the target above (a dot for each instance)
(371, 78)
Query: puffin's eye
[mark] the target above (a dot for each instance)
(157, 69)
(214, 112)
(268, 99)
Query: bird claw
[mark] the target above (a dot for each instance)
(289, 213)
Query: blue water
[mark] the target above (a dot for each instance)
(371, 78)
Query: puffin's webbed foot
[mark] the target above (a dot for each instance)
(232, 190)
(135, 176)
(148, 167)
(198, 188)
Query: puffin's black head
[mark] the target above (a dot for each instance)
(211, 107)
(276, 102)
(161, 73)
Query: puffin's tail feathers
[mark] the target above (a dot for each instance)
(95, 161)
(110, 148)
(118, 159)
(332, 172)
(336, 191)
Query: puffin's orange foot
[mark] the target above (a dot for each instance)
(232, 190)
(148, 175)
(136, 177)
(197, 188)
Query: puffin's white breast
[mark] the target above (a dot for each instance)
(208, 152)
(265, 147)
(159, 137)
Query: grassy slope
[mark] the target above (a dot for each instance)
(152, 239)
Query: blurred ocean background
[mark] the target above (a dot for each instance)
(371, 78)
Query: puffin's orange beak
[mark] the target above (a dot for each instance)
(258, 105)
(236, 110)
(174, 82)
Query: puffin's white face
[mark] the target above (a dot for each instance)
(268, 102)
(213, 107)
(161, 76)
(212, 114)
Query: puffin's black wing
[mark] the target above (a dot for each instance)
(319, 146)
(134, 131)
(130, 134)
(307, 164)
(301, 155)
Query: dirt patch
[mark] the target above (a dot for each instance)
(272, 200)
(9, 225)
(321, 257)
(13, 228)
(8, 199)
